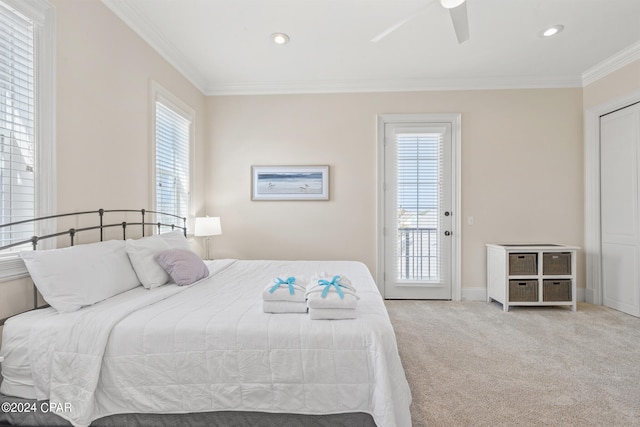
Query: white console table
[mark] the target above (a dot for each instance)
(531, 274)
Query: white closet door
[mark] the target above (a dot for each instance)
(619, 179)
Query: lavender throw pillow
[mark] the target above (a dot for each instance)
(184, 266)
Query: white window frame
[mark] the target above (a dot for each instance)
(162, 95)
(43, 15)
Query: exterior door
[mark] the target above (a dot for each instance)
(619, 214)
(417, 210)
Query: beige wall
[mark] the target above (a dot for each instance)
(614, 85)
(103, 118)
(522, 171)
(104, 71)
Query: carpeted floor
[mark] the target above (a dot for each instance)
(471, 364)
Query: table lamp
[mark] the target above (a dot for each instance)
(206, 227)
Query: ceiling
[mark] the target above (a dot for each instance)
(224, 46)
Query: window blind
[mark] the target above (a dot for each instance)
(418, 168)
(17, 124)
(172, 163)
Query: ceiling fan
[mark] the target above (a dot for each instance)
(457, 11)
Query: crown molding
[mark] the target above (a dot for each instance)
(361, 86)
(613, 63)
(138, 22)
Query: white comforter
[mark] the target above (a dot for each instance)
(210, 347)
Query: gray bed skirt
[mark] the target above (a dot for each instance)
(201, 419)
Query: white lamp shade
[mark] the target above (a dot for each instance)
(208, 226)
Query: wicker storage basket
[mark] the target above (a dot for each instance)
(556, 263)
(522, 264)
(523, 290)
(556, 290)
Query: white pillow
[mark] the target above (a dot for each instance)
(176, 239)
(141, 253)
(73, 277)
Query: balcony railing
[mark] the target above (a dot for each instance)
(418, 254)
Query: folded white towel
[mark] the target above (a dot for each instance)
(331, 292)
(332, 299)
(284, 307)
(331, 313)
(280, 288)
(339, 278)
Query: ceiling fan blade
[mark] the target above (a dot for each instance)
(399, 24)
(392, 28)
(460, 22)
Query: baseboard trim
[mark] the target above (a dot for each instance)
(480, 294)
(474, 294)
(589, 295)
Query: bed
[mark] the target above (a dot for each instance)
(206, 354)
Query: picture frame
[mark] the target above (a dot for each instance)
(290, 182)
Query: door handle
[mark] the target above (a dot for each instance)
(447, 233)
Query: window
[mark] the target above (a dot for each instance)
(173, 140)
(17, 125)
(27, 145)
(418, 200)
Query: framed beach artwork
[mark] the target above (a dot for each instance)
(290, 183)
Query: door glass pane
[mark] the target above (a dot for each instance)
(418, 185)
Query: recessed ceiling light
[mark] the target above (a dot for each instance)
(280, 38)
(552, 31)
